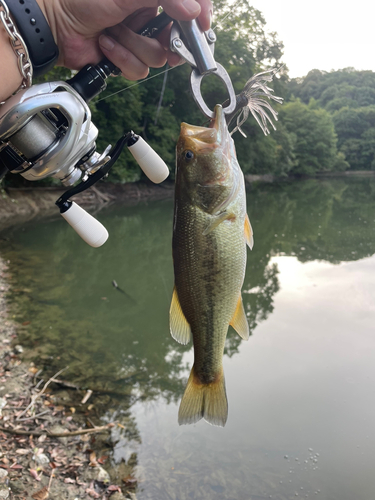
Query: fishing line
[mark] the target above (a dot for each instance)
(219, 25)
(135, 84)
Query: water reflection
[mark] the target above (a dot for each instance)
(64, 288)
(120, 345)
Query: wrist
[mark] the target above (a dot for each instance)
(8, 67)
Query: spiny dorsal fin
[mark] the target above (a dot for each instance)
(239, 320)
(179, 327)
(249, 233)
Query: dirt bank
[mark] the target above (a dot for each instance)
(34, 462)
(23, 204)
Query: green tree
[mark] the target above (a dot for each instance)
(356, 131)
(314, 137)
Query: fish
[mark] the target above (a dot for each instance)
(210, 232)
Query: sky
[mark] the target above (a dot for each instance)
(324, 35)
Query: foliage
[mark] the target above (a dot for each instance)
(314, 137)
(349, 96)
(327, 122)
(356, 130)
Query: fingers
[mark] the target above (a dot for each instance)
(131, 53)
(140, 18)
(148, 50)
(134, 54)
(205, 17)
(130, 66)
(186, 10)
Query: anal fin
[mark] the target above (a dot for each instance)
(178, 324)
(239, 320)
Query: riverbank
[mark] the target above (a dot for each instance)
(22, 204)
(50, 446)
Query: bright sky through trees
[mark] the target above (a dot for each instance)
(324, 34)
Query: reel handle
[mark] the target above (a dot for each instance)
(84, 224)
(148, 159)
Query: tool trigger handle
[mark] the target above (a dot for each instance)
(197, 47)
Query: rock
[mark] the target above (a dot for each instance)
(18, 349)
(3, 403)
(3, 475)
(17, 487)
(4, 492)
(117, 496)
(41, 459)
(57, 429)
(96, 474)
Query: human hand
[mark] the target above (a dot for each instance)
(87, 30)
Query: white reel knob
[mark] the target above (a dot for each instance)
(88, 228)
(149, 161)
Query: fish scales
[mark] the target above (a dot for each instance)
(211, 230)
(210, 273)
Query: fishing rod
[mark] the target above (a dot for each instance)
(46, 131)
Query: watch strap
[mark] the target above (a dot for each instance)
(36, 33)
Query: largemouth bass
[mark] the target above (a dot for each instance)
(211, 229)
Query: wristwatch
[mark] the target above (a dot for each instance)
(36, 33)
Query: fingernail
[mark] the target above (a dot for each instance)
(211, 16)
(191, 6)
(106, 42)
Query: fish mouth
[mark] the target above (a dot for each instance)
(219, 120)
(203, 139)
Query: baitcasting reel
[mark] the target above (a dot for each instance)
(46, 131)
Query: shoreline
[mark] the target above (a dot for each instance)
(33, 463)
(23, 204)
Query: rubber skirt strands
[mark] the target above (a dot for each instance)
(254, 99)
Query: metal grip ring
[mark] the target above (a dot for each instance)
(195, 83)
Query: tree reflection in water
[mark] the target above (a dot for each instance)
(120, 343)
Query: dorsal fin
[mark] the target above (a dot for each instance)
(179, 327)
(239, 320)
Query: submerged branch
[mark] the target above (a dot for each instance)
(47, 433)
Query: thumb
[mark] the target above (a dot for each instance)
(181, 10)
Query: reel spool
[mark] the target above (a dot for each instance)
(46, 131)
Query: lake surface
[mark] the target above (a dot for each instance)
(301, 390)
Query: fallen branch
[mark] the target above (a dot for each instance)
(57, 434)
(69, 385)
(36, 396)
(33, 417)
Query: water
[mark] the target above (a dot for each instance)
(301, 406)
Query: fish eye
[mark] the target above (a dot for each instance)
(189, 155)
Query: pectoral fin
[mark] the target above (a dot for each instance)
(179, 327)
(239, 320)
(249, 233)
(218, 219)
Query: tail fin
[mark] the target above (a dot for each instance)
(208, 401)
